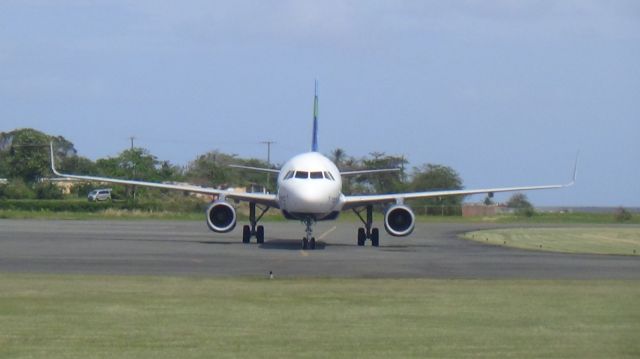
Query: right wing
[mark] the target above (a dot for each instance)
(260, 198)
(259, 169)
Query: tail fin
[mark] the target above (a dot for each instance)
(314, 140)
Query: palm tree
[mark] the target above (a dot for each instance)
(338, 155)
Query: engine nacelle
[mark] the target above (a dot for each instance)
(399, 220)
(221, 217)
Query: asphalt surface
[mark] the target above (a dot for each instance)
(189, 248)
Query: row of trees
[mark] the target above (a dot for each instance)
(24, 158)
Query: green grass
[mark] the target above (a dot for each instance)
(161, 317)
(597, 240)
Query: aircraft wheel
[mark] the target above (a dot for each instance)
(361, 236)
(305, 243)
(246, 234)
(375, 237)
(260, 234)
(312, 243)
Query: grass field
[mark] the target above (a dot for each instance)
(598, 240)
(160, 317)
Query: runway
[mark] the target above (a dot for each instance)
(189, 248)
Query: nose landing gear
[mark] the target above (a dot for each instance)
(308, 241)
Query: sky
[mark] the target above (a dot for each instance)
(505, 92)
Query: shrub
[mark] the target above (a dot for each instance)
(16, 189)
(48, 190)
(622, 215)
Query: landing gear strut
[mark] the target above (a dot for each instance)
(308, 241)
(368, 232)
(253, 229)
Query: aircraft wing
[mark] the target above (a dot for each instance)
(363, 200)
(260, 198)
(259, 169)
(364, 172)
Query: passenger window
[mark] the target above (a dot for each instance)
(316, 175)
(302, 174)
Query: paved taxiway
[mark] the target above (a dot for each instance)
(189, 248)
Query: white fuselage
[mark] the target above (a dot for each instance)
(309, 185)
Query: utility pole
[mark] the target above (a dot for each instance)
(133, 188)
(268, 143)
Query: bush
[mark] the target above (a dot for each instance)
(184, 206)
(16, 189)
(48, 190)
(526, 211)
(521, 204)
(622, 215)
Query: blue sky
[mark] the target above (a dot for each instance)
(505, 92)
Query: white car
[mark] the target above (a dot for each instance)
(99, 195)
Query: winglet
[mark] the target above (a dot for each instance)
(53, 164)
(314, 140)
(575, 170)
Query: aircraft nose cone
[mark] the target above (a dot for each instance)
(308, 200)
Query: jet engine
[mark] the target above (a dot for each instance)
(221, 217)
(399, 220)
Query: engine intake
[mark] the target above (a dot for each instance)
(399, 220)
(221, 217)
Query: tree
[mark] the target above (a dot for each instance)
(521, 204)
(24, 153)
(338, 156)
(432, 177)
(387, 182)
(212, 169)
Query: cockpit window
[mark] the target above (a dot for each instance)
(328, 175)
(302, 174)
(289, 175)
(316, 175)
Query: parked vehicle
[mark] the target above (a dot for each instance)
(103, 194)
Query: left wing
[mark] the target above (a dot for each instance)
(363, 200)
(261, 198)
(364, 172)
(357, 201)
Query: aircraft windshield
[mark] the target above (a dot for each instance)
(302, 174)
(316, 175)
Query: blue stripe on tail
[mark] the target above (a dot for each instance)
(314, 140)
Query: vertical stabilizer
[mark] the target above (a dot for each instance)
(314, 140)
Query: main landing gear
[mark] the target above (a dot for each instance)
(308, 241)
(368, 232)
(253, 229)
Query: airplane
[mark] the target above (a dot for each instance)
(309, 189)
